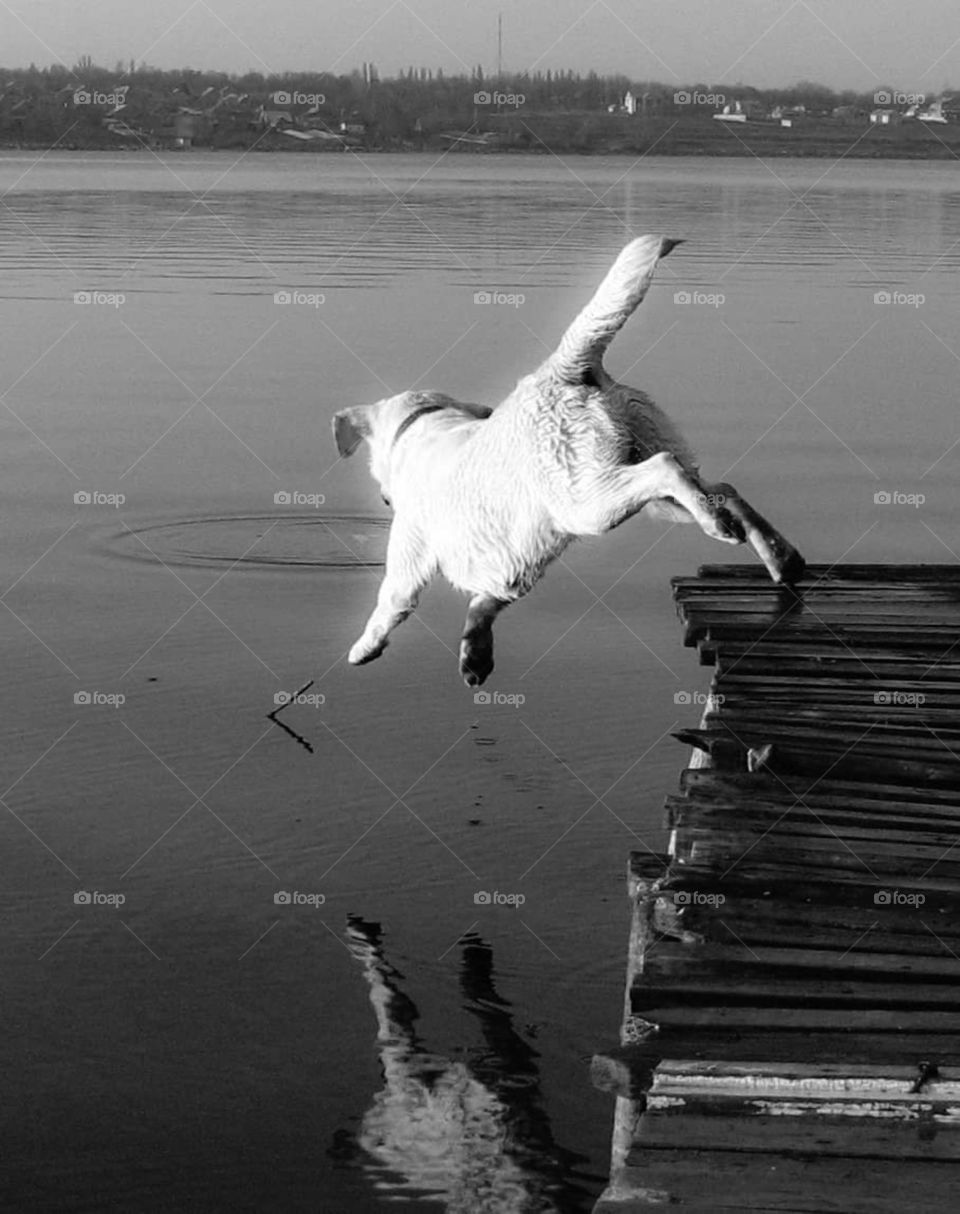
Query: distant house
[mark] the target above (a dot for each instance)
(788, 114)
(740, 111)
(629, 105)
(184, 130)
(732, 113)
(885, 117)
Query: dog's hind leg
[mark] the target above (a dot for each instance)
(784, 563)
(717, 509)
(408, 571)
(476, 647)
(623, 491)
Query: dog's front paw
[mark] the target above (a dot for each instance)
(476, 663)
(365, 651)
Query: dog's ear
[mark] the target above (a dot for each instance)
(478, 411)
(350, 428)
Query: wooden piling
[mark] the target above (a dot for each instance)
(791, 1033)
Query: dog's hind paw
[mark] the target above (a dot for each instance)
(789, 567)
(719, 522)
(729, 528)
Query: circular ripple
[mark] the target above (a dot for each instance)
(327, 541)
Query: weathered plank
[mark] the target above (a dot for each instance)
(848, 1051)
(828, 791)
(796, 815)
(809, 908)
(924, 1131)
(881, 575)
(828, 752)
(733, 1182)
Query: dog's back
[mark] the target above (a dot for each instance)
(569, 421)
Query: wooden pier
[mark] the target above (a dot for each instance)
(791, 1038)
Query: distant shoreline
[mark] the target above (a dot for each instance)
(785, 153)
(594, 135)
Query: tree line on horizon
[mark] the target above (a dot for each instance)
(90, 105)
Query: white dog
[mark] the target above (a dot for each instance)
(490, 498)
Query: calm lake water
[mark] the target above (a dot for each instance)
(201, 1046)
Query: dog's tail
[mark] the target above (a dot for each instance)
(582, 347)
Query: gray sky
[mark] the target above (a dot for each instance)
(843, 43)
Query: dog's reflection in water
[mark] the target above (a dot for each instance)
(469, 1134)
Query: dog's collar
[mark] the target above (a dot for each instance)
(411, 418)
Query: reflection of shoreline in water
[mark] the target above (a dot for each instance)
(472, 1133)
